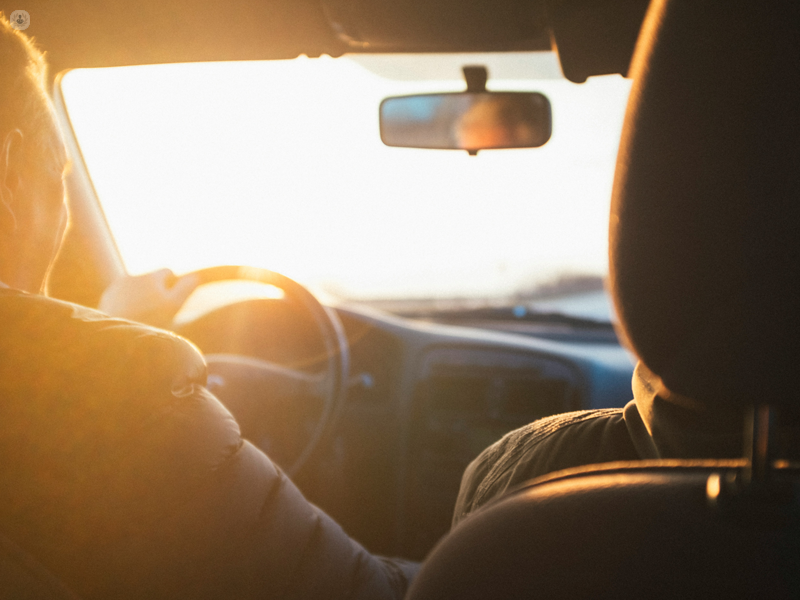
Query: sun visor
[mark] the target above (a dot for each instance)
(98, 33)
(447, 25)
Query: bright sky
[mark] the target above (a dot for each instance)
(279, 165)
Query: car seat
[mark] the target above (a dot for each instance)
(705, 272)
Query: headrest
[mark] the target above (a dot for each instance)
(705, 218)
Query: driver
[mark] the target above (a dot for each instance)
(121, 473)
(500, 121)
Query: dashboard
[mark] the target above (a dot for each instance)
(424, 399)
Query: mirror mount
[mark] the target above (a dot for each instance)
(476, 77)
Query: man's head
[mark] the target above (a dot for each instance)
(499, 121)
(32, 162)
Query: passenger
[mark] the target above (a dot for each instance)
(703, 253)
(656, 424)
(120, 472)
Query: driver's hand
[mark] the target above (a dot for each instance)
(153, 298)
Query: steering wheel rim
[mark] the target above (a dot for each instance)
(336, 349)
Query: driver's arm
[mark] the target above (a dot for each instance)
(130, 480)
(153, 298)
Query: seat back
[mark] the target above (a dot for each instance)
(624, 531)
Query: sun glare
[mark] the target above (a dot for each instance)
(280, 165)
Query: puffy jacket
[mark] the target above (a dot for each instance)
(126, 478)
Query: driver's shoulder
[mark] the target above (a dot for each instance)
(64, 337)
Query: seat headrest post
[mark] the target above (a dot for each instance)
(759, 494)
(758, 447)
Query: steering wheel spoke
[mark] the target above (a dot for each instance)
(277, 381)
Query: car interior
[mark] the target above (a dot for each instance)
(376, 401)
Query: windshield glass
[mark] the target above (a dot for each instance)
(279, 164)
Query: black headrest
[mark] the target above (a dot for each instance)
(705, 218)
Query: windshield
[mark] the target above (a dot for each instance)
(279, 164)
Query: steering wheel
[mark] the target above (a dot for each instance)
(227, 372)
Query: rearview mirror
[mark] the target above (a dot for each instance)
(469, 121)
